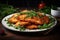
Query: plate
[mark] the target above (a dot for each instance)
(4, 23)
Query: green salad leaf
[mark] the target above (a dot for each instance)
(6, 10)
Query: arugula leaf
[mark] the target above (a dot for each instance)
(46, 10)
(6, 10)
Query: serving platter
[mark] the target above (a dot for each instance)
(4, 23)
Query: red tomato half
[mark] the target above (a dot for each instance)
(41, 5)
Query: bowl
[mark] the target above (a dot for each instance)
(55, 13)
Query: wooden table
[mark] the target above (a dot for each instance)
(52, 35)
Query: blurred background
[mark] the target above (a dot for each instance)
(30, 3)
(27, 3)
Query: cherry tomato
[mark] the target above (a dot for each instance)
(41, 5)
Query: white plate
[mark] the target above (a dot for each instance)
(4, 23)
